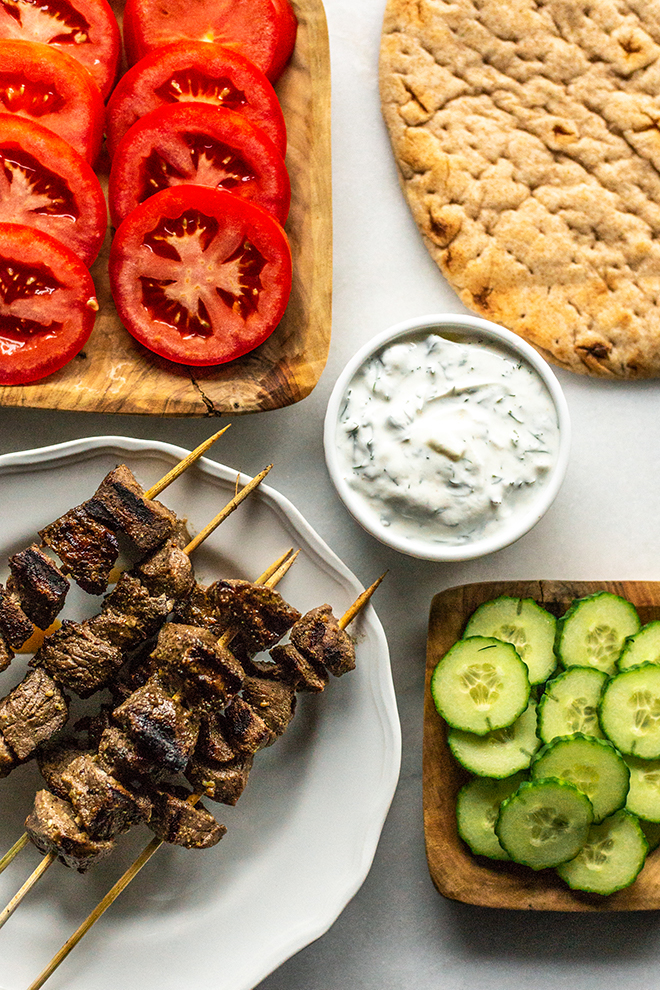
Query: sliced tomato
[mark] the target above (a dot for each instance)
(87, 30)
(195, 72)
(47, 86)
(262, 30)
(200, 276)
(47, 304)
(198, 143)
(44, 183)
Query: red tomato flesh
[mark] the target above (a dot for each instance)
(195, 72)
(199, 276)
(47, 304)
(208, 146)
(86, 30)
(259, 29)
(47, 86)
(44, 183)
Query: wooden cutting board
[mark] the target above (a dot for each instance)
(455, 871)
(115, 374)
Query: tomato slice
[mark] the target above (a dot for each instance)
(200, 276)
(195, 72)
(47, 86)
(262, 30)
(86, 30)
(198, 143)
(44, 183)
(47, 304)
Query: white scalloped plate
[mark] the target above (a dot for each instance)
(301, 839)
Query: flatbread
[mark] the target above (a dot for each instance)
(527, 138)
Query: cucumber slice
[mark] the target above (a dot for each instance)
(643, 647)
(500, 753)
(477, 807)
(651, 832)
(611, 858)
(524, 624)
(593, 765)
(630, 711)
(544, 823)
(593, 630)
(644, 795)
(481, 684)
(570, 704)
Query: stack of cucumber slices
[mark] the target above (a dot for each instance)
(565, 762)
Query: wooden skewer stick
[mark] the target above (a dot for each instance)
(359, 603)
(182, 465)
(228, 509)
(13, 852)
(47, 861)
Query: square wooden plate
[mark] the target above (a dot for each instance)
(115, 374)
(455, 871)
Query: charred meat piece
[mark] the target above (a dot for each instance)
(53, 759)
(39, 584)
(163, 726)
(274, 701)
(75, 657)
(6, 653)
(123, 756)
(197, 609)
(32, 713)
(213, 742)
(86, 547)
(258, 613)
(105, 807)
(168, 571)
(52, 827)
(306, 675)
(14, 623)
(320, 640)
(119, 503)
(7, 759)
(129, 614)
(204, 664)
(223, 782)
(246, 730)
(175, 820)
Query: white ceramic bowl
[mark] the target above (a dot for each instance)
(517, 523)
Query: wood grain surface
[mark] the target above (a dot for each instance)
(455, 871)
(115, 374)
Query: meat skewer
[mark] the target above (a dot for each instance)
(88, 549)
(155, 843)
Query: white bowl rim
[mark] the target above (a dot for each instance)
(517, 525)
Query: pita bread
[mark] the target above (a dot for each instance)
(527, 138)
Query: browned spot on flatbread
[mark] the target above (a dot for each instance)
(527, 137)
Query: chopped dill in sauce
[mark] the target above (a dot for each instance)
(444, 439)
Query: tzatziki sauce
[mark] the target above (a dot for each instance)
(444, 438)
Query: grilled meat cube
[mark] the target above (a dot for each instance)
(86, 547)
(168, 571)
(213, 742)
(175, 820)
(119, 502)
(39, 584)
(197, 609)
(53, 759)
(319, 638)
(7, 759)
(274, 701)
(306, 675)
(203, 663)
(77, 658)
(246, 730)
(32, 713)
(223, 782)
(129, 614)
(259, 614)
(14, 623)
(164, 727)
(6, 653)
(123, 756)
(52, 827)
(105, 807)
